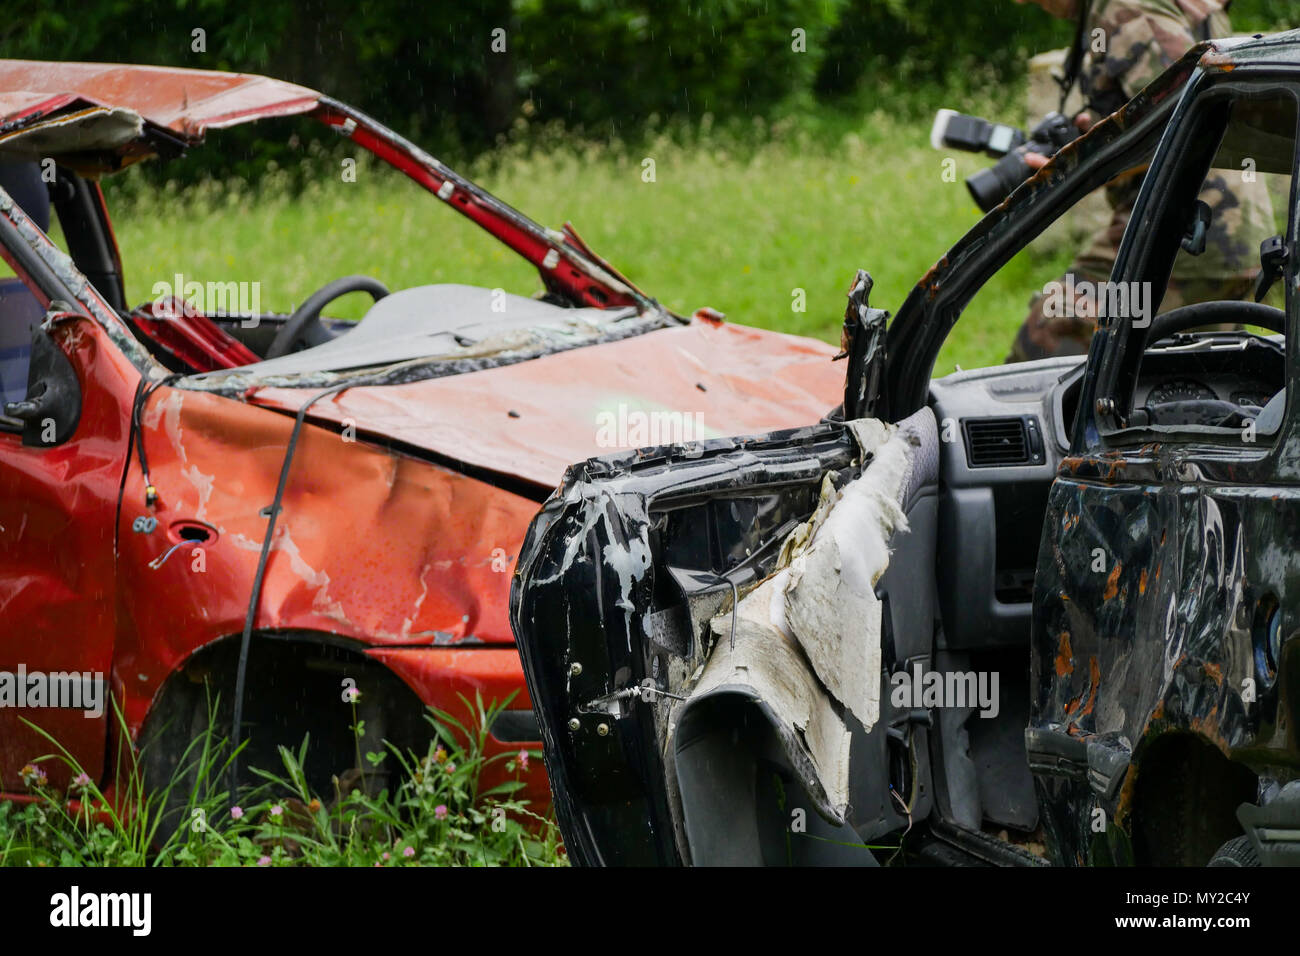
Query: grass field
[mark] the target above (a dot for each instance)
(436, 814)
(737, 222)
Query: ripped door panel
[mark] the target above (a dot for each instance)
(709, 645)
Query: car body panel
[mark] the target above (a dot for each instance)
(588, 586)
(617, 593)
(371, 544)
(451, 679)
(1207, 567)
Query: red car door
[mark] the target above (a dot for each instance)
(58, 507)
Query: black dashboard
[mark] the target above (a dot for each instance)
(1004, 431)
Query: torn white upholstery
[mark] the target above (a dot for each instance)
(809, 635)
(830, 601)
(766, 666)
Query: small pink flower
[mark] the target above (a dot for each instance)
(277, 810)
(237, 812)
(440, 812)
(352, 694)
(451, 767)
(33, 776)
(264, 861)
(384, 855)
(409, 851)
(81, 781)
(523, 759)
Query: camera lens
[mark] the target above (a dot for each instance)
(988, 187)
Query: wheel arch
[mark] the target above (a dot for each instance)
(295, 686)
(1180, 802)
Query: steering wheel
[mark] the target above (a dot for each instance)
(308, 313)
(1209, 411)
(1216, 313)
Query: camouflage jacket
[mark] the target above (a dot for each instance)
(1130, 43)
(1139, 40)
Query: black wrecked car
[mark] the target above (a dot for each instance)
(852, 643)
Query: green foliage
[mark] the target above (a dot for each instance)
(929, 43)
(611, 65)
(605, 68)
(437, 816)
(1263, 16)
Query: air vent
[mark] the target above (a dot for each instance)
(995, 442)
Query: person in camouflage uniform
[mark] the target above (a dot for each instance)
(1141, 39)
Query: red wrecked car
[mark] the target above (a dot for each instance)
(201, 497)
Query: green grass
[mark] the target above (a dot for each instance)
(436, 815)
(737, 220)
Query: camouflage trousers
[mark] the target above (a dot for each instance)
(1043, 336)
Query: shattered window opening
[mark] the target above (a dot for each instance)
(1235, 171)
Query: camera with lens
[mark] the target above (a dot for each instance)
(988, 187)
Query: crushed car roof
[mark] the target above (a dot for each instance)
(97, 118)
(131, 110)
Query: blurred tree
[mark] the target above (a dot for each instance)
(595, 61)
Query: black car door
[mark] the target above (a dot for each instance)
(682, 726)
(1161, 608)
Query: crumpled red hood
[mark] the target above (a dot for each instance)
(532, 419)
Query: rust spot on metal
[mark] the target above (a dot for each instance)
(1124, 805)
(1064, 656)
(933, 271)
(1077, 707)
(1112, 583)
(1094, 675)
(1207, 725)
